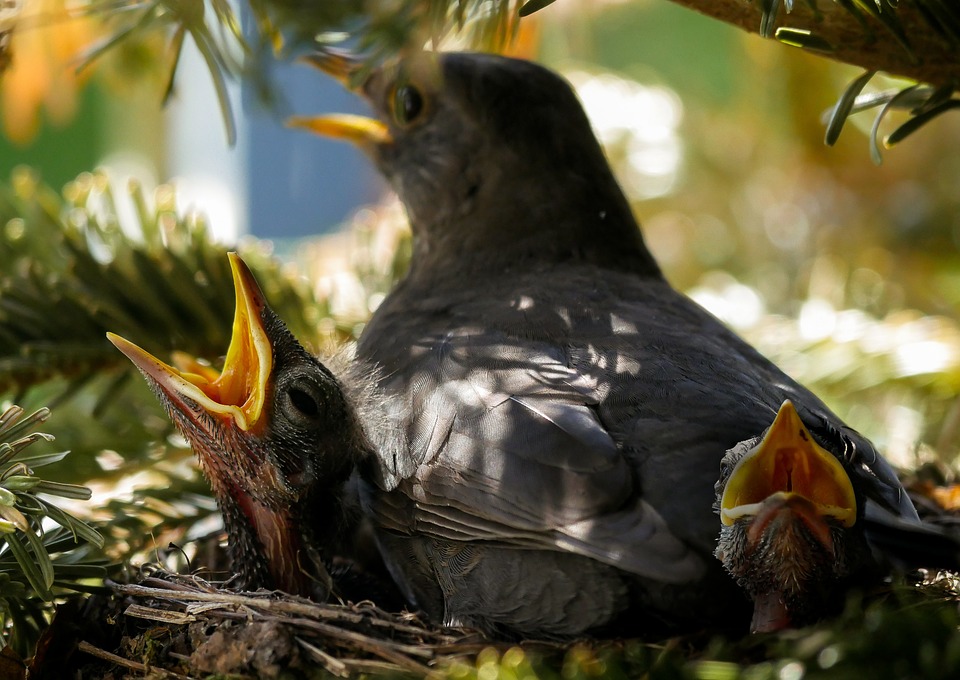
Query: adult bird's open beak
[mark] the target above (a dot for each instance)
(359, 130)
(789, 469)
(237, 394)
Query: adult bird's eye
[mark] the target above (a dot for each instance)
(407, 104)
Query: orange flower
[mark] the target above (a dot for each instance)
(526, 44)
(43, 47)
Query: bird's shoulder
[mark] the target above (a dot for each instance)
(628, 344)
(506, 419)
(541, 400)
(600, 358)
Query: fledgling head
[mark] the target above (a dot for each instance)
(789, 523)
(277, 436)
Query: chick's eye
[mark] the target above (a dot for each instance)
(302, 403)
(407, 104)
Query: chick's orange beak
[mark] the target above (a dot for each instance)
(239, 390)
(789, 463)
(359, 130)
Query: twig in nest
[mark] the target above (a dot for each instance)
(127, 663)
(343, 639)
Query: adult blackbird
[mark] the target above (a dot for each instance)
(567, 410)
(278, 436)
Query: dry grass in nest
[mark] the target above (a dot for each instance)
(195, 628)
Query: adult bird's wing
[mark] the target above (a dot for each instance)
(868, 470)
(588, 415)
(509, 448)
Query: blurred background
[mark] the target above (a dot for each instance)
(843, 272)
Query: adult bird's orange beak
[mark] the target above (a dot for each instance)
(789, 466)
(359, 130)
(340, 65)
(238, 391)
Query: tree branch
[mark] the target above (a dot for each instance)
(930, 55)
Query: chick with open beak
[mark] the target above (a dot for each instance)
(789, 523)
(276, 436)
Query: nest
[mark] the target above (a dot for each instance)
(170, 626)
(180, 626)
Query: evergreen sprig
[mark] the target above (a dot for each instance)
(943, 18)
(71, 272)
(380, 31)
(44, 550)
(924, 103)
(280, 28)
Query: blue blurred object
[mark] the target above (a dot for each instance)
(276, 182)
(298, 184)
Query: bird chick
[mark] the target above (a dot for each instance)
(789, 531)
(278, 436)
(801, 524)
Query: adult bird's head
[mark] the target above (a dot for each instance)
(493, 158)
(789, 522)
(276, 437)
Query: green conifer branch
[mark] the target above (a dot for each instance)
(916, 39)
(71, 272)
(37, 563)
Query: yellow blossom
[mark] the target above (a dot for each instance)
(43, 47)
